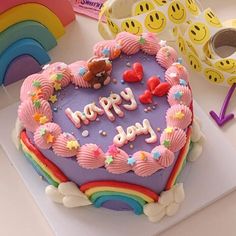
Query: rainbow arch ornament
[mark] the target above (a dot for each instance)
(135, 196)
(21, 47)
(34, 12)
(30, 30)
(43, 21)
(63, 11)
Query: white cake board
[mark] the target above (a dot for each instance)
(205, 181)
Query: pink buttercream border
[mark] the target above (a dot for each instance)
(116, 160)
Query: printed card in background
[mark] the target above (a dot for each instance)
(90, 8)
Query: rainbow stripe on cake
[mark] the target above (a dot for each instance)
(180, 163)
(45, 168)
(133, 195)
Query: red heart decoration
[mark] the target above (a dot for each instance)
(130, 76)
(152, 83)
(161, 89)
(138, 68)
(146, 97)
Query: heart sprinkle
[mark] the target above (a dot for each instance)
(146, 98)
(135, 74)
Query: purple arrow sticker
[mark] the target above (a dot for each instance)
(223, 118)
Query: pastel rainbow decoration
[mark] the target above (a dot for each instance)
(41, 23)
(180, 163)
(21, 47)
(45, 168)
(133, 195)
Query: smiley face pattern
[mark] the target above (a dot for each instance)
(161, 16)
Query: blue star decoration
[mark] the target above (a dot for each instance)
(82, 71)
(156, 155)
(178, 95)
(180, 60)
(183, 82)
(109, 160)
(131, 161)
(106, 52)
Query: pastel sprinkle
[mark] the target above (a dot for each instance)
(85, 133)
(106, 52)
(156, 155)
(114, 81)
(145, 110)
(131, 161)
(122, 81)
(180, 60)
(131, 146)
(166, 143)
(36, 84)
(82, 71)
(178, 95)
(149, 108)
(42, 132)
(183, 82)
(109, 160)
(158, 129)
(104, 133)
(37, 103)
(128, 64)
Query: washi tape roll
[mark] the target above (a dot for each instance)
(200, 35)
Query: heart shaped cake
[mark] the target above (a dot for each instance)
(113, 131)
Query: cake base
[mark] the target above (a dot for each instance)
(199, 184)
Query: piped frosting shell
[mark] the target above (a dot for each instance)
(151, 44)
(32, 117)
(129, 43)
(179, 94)
(166, 156)
(46, 134)
(78, 69)
(173, 140)
(175, 73)
(109, 48)
(65, 145)
(58, 72)
(119, 165)
(90, 156)
(145, 164)
(179, 116)
(166, 56)
(36, 83)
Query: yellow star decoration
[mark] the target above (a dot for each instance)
(53, 77)
(72, 144)
(57, 86)
(53, 98)
(43, 120)
(143, 156)
(169, 130)
(50, 138)
(37, 116)
(179, 115)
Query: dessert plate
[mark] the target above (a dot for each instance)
(206, 180)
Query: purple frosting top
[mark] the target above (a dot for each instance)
(76, 99)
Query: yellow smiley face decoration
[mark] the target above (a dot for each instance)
(212, 19)
(155, 21)
(113, 27)
(191, 47)
(199, 33)
(181, 44)
(132, 26)
(143, 7)
(160, 2)
(228, 65)
(214, 76)
(231, 80)
(192, 6)
(194, 62)
(177, 12)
